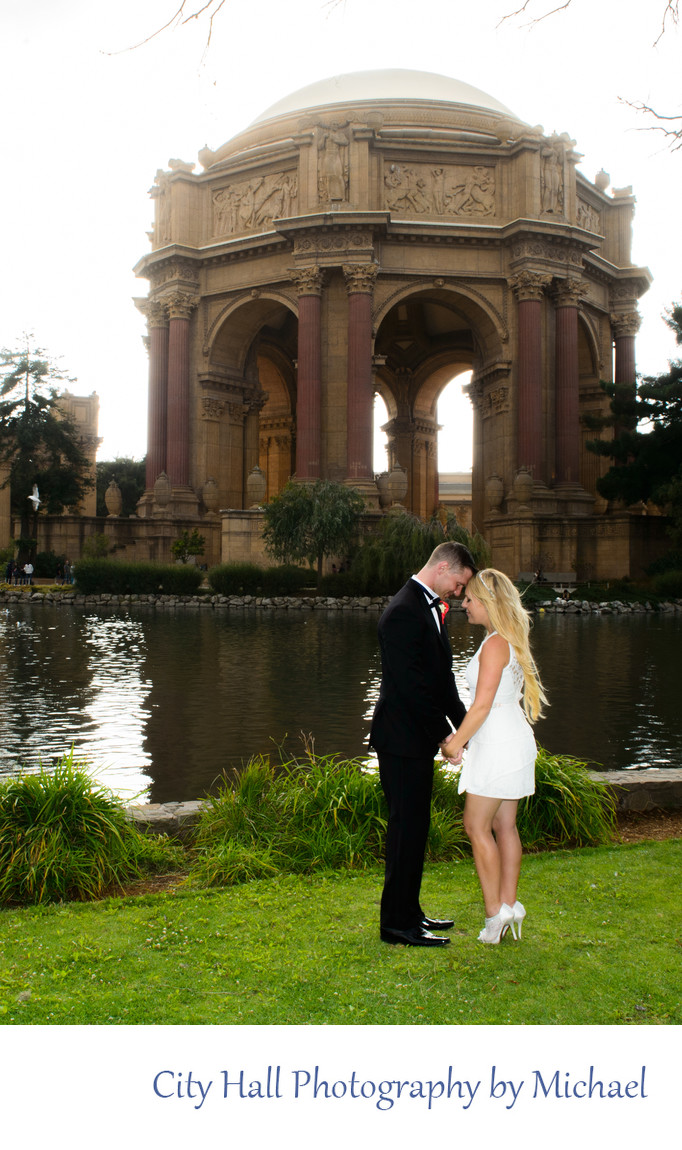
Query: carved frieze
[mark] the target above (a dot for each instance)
(248, 205)
(562, 253)
(589, 218)
(445, 190)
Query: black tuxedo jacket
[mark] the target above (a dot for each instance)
(417, 684)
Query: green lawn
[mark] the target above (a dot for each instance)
(601, 945)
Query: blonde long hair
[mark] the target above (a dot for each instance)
(510, 619)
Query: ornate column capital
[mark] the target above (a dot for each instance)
(211, 408)
(154, 311)
(528, 285)
(180, 304)
(568, 293)
(625, 323)
(308, 281)
(360, 278)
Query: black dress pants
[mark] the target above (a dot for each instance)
(407, 786)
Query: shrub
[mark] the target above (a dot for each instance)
(668, 585)
(97, 576)
(64, 837)
(285, 580)
(671, 561)
(46, 564)
(236, 579)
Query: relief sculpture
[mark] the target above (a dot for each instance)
(420, 189)
(332, 167)
(253, 204)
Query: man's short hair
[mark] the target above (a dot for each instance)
(456, 555)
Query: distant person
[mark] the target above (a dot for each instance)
(499, 763)
(28, 572)
(9, 571)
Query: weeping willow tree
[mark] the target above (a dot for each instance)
(402, 546)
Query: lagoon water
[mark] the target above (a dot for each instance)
(162, 703)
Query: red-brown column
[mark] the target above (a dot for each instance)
(567, 430)
(177, 438)
(157, 400)
(529, 288)
(360, 283)
(625, 327)
(309, 286)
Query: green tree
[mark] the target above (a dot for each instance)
(647, 446)
(188, 544)
(312, 520)
(130, 476)
(37, 441)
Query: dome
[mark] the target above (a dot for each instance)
(383, 85)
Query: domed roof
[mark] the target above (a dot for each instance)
(385, 84)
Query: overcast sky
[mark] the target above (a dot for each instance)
(87, 122)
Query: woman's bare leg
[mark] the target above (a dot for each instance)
(479, 813)
(509, 847)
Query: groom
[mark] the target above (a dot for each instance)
(417, 711)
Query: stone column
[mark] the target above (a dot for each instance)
(157, 399)
(625, 326)
(529, 288)
(180, 307)
(360, 281)
(567, 430)
(308, 283)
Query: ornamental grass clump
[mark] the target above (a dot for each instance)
(569, 808)
(62, 836)
(323, 813)
(326, 813)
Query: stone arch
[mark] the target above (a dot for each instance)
(424, 338)
(247, 394)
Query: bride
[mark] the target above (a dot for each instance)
(499, 760)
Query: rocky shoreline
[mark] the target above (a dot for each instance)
(557, 606)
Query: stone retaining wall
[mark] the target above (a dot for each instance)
(647, 790)
(312, 602)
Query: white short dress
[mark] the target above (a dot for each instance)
(499, 761)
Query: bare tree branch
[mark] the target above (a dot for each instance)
(179, 17)
(672, 135)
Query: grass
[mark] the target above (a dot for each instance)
(601, 946)
(64, 837)
(324, 813)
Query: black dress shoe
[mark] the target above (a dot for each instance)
(415, 936)
(437, 923)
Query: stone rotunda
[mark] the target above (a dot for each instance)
(383, 232)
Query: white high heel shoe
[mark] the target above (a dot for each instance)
(519, 912)
(496, 927)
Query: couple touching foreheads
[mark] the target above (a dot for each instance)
(419, 711)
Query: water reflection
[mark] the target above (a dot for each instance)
(171, 700)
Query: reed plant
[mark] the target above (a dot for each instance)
(570, 808)
(63, 836)
(325, 813)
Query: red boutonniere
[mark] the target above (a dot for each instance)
(444, 608)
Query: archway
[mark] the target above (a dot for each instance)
(425, 340)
